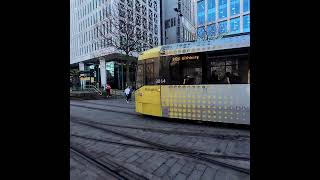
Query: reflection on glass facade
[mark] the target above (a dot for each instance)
(234, 7)
(235, 25)
(110, 68)
(225, 15)
(222, 27)
(201, 32)
(211, 30)
(211, 10)
(222, 9)
(246, 5)
(201, 12)
(246, 23)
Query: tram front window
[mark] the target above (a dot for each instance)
(140, 74)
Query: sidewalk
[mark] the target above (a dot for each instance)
(115, 94)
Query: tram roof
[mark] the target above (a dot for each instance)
(151, 53)
(198, 46)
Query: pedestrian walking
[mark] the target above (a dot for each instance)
(108, 90)
(127, 92)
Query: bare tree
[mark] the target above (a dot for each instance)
(118, 32)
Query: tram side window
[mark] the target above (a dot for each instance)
(228, 69)
(149, 73)
(186, 72)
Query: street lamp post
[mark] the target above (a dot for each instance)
(179, 14)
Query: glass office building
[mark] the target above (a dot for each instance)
(215, 17)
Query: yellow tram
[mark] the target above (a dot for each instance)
(206, 81)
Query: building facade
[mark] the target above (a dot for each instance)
(86, 46)
(216, 17)
(178, 25)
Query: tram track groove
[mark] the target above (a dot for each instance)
(109, 167)
(159, 149)
(108, 104)
(192, 154)
(107, 110)
(174, 131)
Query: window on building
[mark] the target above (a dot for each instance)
(155, 18)
(144, 23)
(122, 13)
(144, 10)
(107, 27)
(211, 30)
(222, 27)
(235, 25)
(201, 12)
(174, 21)
(171, 22)
(104, 29)
(138, 6)
(156, 41)
(144, 36)
(130, 15)
(150, 39)
(167, 24)
(186, 35)
(234, 7)
(201, 33)
(150, 26)
(138, 33)
(222, 9)
(155, 5)
(150, 15)
(155, 29)
(246, 23)
(138, 19)
(246, 5)
(211, 10)
(130, 3)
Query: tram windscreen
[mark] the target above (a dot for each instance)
(148, 72)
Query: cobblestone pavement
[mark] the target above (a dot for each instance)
(153, 163)
(82, 169)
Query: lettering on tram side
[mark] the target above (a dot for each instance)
(244, 108)
(177, 58)
(151, 89)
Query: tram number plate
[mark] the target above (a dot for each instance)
(160, 81)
